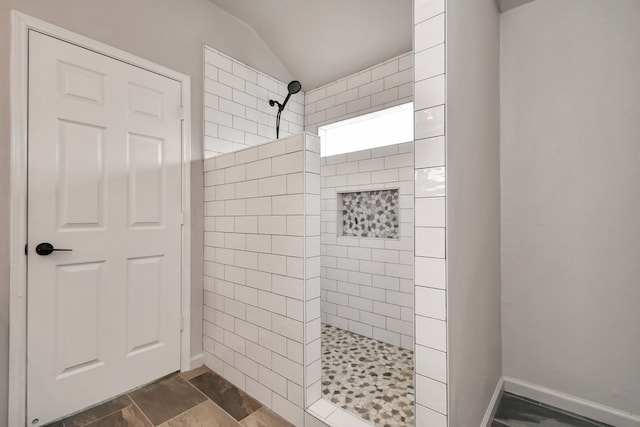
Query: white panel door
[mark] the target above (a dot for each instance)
(104, 181)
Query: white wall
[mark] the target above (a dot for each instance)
(367, 283)
(570, 198)
(473, 208)
(262, 266)
(167, 32)
(384, 85)
(237, 113)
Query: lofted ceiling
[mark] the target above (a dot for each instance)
(320, 41)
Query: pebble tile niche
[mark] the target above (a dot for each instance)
(370, 214)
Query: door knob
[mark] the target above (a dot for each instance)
(45, 249)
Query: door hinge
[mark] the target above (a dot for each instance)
(181, 323)
(181, 113)
(182, 218)
(26, 249)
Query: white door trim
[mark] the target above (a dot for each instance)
(21, 25)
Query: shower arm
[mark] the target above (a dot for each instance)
(273, 102)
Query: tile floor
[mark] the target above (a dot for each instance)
(368, 378)
(198, 398)
(516, 411)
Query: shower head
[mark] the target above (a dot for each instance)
(293, 87)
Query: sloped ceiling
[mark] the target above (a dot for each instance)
(320, 41)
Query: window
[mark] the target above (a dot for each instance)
(387, 127)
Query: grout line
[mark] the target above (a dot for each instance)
(141, 411)
(105, 416)
(145, 415)
(221, 408)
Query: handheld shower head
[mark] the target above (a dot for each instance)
(293, 87)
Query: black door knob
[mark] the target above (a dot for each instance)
(45, 249)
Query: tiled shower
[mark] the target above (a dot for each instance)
(268, 222)
(367, 277)
(367, 288)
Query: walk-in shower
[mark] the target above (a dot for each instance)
(367, 283)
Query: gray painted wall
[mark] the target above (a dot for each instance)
(473, 208)
(570, 198)
(167, 32)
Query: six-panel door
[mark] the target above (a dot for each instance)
(104, 181)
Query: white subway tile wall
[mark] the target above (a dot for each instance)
(258, 280)
(367, 283)
(363, 93)
(430, 214)
(382, 86)
(237, 113)
(311, 226)
(260, 333)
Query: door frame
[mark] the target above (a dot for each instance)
(21, 25)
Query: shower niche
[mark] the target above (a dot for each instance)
(372, 213)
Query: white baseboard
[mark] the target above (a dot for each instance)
(493, 404)
(567, 402)
(197, 361)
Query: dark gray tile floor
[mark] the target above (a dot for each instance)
(199, 398)
(516, 411)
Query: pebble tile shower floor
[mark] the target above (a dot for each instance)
(368, 378)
